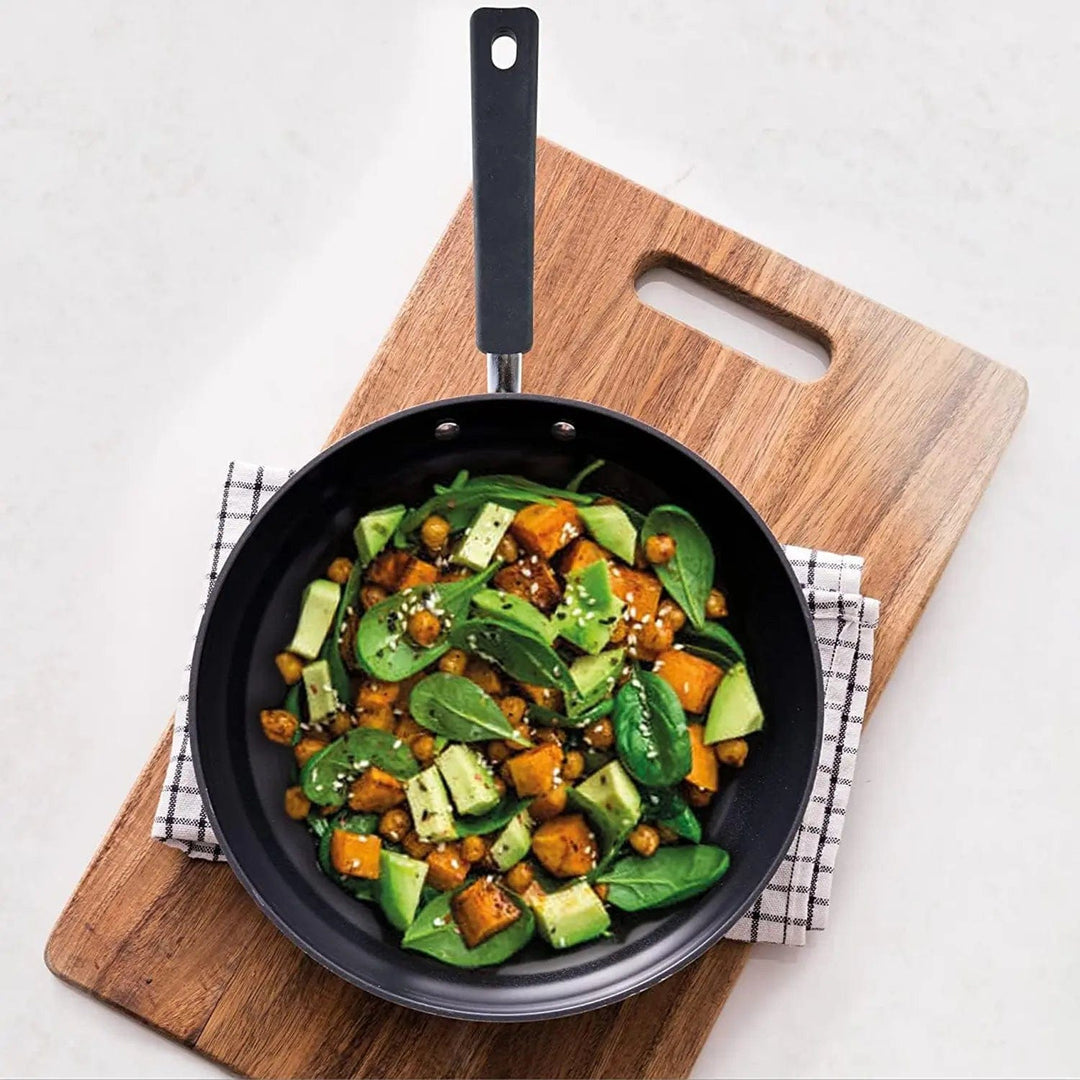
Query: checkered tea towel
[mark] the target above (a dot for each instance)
(797, 898)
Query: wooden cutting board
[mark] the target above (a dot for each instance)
(886, 455)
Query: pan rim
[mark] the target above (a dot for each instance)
(583, 1002)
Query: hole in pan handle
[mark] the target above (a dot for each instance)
(504, 183)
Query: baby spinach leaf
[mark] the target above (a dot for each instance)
(716, 643)
(495, 818)
(292, 702)
(435, 933)
(671, 875)
(456, 707)
(521, 655)
(326, 774)
(318, 824)
(689, 574)
(650, 731)
(667, 807)
(545, 717)
(584, 474)
(331, 650)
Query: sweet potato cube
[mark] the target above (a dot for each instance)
(693, 679)
(376, 791)
(532, 579)
(544, 528)
(704, 772)
(355, 854)
(417, 572)
(481, 910)
(565, 846)
(581, 553)
(446, 868)
(534, 772)
(548, 696)
(639, 589)
(387, 568)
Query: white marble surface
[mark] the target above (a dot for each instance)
(209, 214)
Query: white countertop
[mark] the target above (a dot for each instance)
(209, 215)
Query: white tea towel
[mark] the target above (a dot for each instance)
(797, 899)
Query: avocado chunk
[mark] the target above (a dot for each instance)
(469, 780)
(318, 606)
(735, 709)
(432, 814)
(612, 800)
(374, 529)
(401, 881)
(322, 701)
(571, 915)
(595, 678)
(512, 844)
(515, 610)
(610, 526)
(589, 609)
(482, 537)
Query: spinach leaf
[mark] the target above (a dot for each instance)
(456, 707)
(689, 574)
(584, 474)
(545, 717)
(383, 646)
(331, 650)
(318, 824)
(667, 807)
(650, 731)
(522, 655)
(293, 699)
(434, 932)
(495, 818)
(326, 775)
(716, 643)
(671, 875)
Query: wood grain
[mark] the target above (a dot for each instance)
(886, 455)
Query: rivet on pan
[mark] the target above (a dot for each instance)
(563, 430)
(447, 430)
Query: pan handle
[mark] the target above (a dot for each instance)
(504, 182)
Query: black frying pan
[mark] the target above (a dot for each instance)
(253, 609)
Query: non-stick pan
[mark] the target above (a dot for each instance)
(254, 604)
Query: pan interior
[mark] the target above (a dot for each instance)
(253, 611)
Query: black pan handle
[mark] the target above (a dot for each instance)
(504, 182)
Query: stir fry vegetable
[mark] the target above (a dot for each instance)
(511, 707)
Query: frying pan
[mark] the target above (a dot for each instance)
(253, 609)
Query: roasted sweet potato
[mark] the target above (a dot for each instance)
(355, 854)
(704, 772)
(417, 572)
(481, 910)
(544, 528)
(387, 568)
(375, 791)
(695, 680)
(581, 553)
(446, 868)
(532, 579)
(639, 589)
(565, 846)
(534, 772)
(547, 696)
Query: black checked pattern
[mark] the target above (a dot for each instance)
(797, 899)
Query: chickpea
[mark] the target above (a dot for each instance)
(484, 675)
(339, 570)
(732, 752)
(697, 796)
(297, 804)
(644, 839)
(507, 549)
(453, 662)
(667, 836)
(573, 765)
(407, 728)
(654, 637)
(279, 725)
(291, 667)
(423, 748)
(513, 708)
(414, 847)
(550, 805)
(307, 748)
(341, 723)
(670, 614)
(715, 605)
(498, 751)
(660, 549)
(394, 824)
(500, 785)
(424, 627)
(601, 735)
(435, 532)
(601, 890)
(378, 716)
(374, 692)
(519, 877)
(370, 595)
(473, 848)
